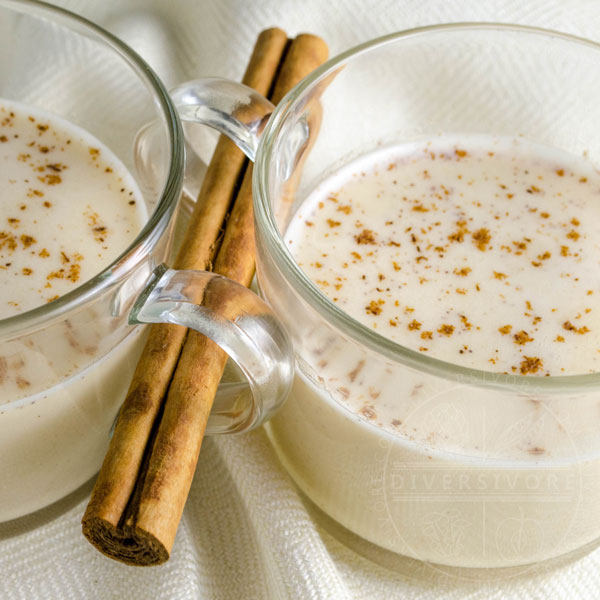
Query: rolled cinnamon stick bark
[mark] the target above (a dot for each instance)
(122, 465)
(139, 497)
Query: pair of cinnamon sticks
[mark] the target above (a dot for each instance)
(140, 493)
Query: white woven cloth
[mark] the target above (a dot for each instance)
(246, 532)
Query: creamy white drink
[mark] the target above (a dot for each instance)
(69, 208)
(483, 253)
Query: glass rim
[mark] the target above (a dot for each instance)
(268, 230)
(44, 315)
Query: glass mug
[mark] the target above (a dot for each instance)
(76, 356)
(458, 484)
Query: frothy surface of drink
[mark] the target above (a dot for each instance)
(479, 251)
(69, 208)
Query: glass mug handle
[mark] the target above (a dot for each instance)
(243, 325)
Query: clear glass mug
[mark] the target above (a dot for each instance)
(68, 364)
(458, 484)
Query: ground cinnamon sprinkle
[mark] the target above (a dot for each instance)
(374, 307)
(366, 236)
(530, 364)
(459, 234)
(568, 326)
(47, 171)
(414, 325)
(481, 238)
(522, 337)
(422, 248)
(447, 330)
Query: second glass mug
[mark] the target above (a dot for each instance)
(406, 495)
(458, 484)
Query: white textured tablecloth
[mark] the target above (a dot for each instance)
(246, 532)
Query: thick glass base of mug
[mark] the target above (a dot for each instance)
(431, 506)
(433, 573)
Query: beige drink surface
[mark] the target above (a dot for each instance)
(478, 251)
(68, 207)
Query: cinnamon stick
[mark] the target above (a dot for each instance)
(137, 524)
(119, 473)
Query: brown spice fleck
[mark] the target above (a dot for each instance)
(374, 307)
(333, 223)
(22, 383)
(522, 338)
(463, 272)
(468, 325)
(365, 237)
(459, 235)
(568, 326)
(481, 238)
(536, 450)
(414, 324)
(427, 335)
(530, 364)
(505, 329)
(446, 330)
(573, 235)
(368, 411)
(27, 240)
(51, 179)
(354, 373)
(520, 245)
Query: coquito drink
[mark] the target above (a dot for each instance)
(481, 252)
(69, 208)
